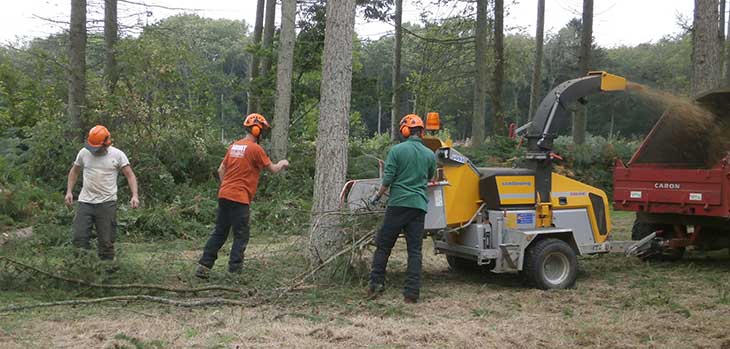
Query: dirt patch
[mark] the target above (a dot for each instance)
(24, 233)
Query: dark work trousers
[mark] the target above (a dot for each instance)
(397, 219)
(103, 217)
(234, 215)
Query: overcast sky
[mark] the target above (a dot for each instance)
(616, 22)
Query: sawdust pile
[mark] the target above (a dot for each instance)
(694, 134)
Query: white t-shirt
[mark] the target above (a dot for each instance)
(100, 174)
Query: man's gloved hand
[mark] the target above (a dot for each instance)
(374, 200)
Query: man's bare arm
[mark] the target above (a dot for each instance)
(73, 176)
(276, 168)
(132, 181)
(221, 172)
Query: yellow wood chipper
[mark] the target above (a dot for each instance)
(515, 220)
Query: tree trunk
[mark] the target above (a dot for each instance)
(705, 50)
(280, 136)
(110, 40)
(726, 49)
(268, 35)
(77, 65)
(584, 61)
(721, 34)
(378, 92)
(480, 81)
(499, 127)
(332, 131)
(252, 102)
(395, 103)
(535, 92)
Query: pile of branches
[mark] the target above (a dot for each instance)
(351, 224)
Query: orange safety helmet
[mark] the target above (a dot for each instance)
(409, 121)
(98, 137)
(256, 122)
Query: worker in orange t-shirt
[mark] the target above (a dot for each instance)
(239, 174)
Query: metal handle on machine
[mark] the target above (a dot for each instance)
(469, 222)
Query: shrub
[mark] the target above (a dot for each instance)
(593, 161)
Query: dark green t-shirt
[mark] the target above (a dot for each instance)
(408, 168)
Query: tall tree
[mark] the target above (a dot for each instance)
(705, 48)
(584, 61)
(537, 69)
(111, 74)
(332, 130)
(498, 120)
(268, 35)
(726, 49)
(77, 64)
(480, 80)
(721, 33)
(252, 101)
(395, 102)
(280, 136)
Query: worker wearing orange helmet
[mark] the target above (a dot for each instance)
(408, 168)
(239, 175)
(100, 163)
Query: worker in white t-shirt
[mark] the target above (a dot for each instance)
(97, 207)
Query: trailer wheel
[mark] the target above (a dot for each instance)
(641, 230)
(550, 264)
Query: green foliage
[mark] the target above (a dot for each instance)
(496, 151)
(49, 156)
(593, 161)
(179, 102)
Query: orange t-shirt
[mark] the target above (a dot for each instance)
(243, 162)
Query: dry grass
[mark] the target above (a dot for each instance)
(618, 302)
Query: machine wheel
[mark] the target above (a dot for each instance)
(550, 264)
(461, 265)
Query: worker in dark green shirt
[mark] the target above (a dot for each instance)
(408, 168)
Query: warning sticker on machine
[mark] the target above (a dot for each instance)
(695, 196)
(438, 198)
(526, 218)
(635, 195)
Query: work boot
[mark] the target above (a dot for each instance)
(235, 270)
(374, 291)
(110, 266)
(202, 272)
(410, 300)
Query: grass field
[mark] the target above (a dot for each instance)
(618, 302)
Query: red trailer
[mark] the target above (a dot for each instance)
(678, 181)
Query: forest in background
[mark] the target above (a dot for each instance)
(181, 97)
(174, 93)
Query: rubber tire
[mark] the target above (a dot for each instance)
(533, 271)
(642, 230)
(461, 265)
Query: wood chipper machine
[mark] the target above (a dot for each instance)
(514, 220)
(678, 181)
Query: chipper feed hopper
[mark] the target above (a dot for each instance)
(516, 220)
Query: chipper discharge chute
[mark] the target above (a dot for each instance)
(678, 181)
(516, 220)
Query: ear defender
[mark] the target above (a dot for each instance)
(405, 131)
(255, 130)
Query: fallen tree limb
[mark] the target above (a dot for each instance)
(126, 286)
(184, 304)
(364, 240)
